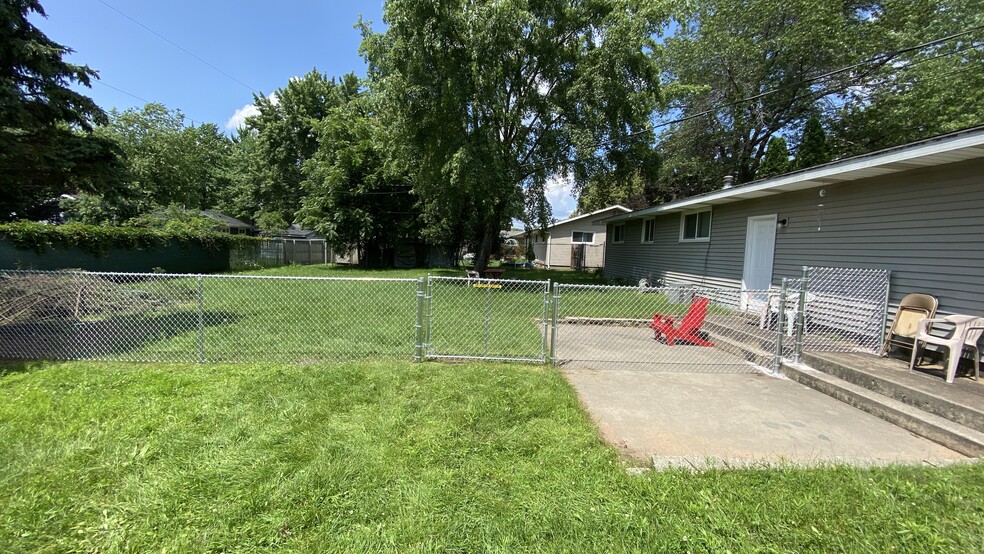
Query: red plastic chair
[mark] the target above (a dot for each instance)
(687, 331)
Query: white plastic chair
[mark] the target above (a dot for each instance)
(791, 309)
(967, 330)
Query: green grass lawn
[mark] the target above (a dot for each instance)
(393, 456)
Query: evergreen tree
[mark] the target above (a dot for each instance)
(776, 160)
(813, 147)
(46, 146)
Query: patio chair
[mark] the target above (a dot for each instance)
(912, 308)
(790, 311)
(966, 333)
(689, 330)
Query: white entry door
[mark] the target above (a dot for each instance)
(760, 247)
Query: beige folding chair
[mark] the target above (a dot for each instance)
(912, 308)
(966, 333)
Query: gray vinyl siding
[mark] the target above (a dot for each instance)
(926, 226)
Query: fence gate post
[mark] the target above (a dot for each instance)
(884, 319)
(553, 324)
(201, 321)
(780, 323)
(801, 314)
(428, 313)
(544, 325)
(419, 327)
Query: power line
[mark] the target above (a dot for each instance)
(880, 60)
(176, 45)
(144, 100)
(117, 89)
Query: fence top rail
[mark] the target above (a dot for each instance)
(210, 276)
(486, 279)
(636, 288)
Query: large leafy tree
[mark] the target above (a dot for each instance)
(487, 99)
(924, 91)
(46, 146)
(743, 71)
(167, 163)
(356, 195)
(285, 138)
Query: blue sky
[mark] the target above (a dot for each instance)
(249, 46)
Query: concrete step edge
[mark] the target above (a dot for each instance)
(969, 416)
(742, 350)
(950, 434)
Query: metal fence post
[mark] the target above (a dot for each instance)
(419, 327)
(543, 321)
(488, 316)
(428, 313)
(884, 320)
(201, 321)
(780, 317)
(553, 323)
(801, 314)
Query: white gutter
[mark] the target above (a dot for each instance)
(970, 141)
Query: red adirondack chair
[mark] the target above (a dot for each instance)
(687, 332)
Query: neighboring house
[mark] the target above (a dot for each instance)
(229, 224)
(577, 242)
(915, 209)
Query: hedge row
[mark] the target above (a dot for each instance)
(97, 240)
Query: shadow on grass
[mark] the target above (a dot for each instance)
(10, 367)
(117, 337)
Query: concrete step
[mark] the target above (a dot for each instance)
(953, 435)
(902, 387)
(743, 332)
(741, 349)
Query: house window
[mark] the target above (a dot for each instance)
(618, 233)
(582, 237)
(696, 226)
(649, 230)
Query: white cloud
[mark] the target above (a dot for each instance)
(560, 195)
(238, 118)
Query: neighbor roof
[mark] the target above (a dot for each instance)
(943, 149)
(228, 221)
(596, 212)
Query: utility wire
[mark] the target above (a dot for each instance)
(176, 45)
(880, 60)
(144, 100)
(107, 85)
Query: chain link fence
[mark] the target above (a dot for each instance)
(232, 318)
(487, 319)
(674, 329)
(203, 318)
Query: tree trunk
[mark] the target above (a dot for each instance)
(489, 237)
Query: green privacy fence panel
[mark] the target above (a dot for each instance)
(174, 257)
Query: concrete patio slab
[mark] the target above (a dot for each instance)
(681, 419)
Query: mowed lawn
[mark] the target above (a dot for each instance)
(394, 456)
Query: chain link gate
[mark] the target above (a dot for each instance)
(486, 319)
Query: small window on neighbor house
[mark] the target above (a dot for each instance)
(696, 226)
(582, 237)
(649, 230)
(618, 233)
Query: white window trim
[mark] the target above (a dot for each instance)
(642, 238)
(622, 239)
(683, 219)
(582, 232)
